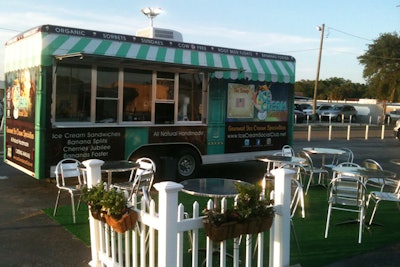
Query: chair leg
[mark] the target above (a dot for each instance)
(295, 236)
(79, 203)
(328, 220)
(311, 176)
(190, 237)
(303, 210)
(56, 205)
(361, 227)
(373, 212)
(73, 207)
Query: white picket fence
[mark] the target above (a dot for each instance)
(158, 240)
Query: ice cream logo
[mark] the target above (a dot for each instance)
(21, 95)
(261, 100)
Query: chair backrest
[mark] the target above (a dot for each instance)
(372, 164)
(146, 163)
(297, 195)
(309, 162)
(144, 176)
(288, 151)
(347, 156)
(348, 164)
(344, 164)
(347, 191)
(69, 168)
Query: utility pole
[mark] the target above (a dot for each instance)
(322, 29)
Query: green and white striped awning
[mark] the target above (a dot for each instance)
(61, 42)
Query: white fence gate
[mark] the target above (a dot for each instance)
(140, 247)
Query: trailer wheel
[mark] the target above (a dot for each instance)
(187, 164)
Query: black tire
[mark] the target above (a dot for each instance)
(339, 118)
(187, 164)
(354, 118)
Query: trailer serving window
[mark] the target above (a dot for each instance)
(107, 94)
(190, 97)
(137, 95)
(73, 93)
(177, 96)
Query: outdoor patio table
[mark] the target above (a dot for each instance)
(110, 167)
(280, 159)
(211, 187)
(323, 152)
(365, 173)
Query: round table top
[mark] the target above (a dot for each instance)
(116, 166)
(119, 165)
(364, 172)
(279, 158)
(323, 150)
(211, 187)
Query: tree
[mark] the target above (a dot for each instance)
(332, 89)
(382, 67)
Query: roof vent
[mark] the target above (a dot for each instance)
(160, 33)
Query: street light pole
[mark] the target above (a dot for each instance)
(322, 29)
(151, 13)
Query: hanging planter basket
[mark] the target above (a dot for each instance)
(98, 215)
(125, 223)
(258, 225)
(218, 233)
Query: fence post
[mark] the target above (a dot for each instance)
(168, 226)
(93, 176)
(383, 132)
(280, 231)
(348, 132)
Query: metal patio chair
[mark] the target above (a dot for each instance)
(69, 178)
(378, 196)
(347, 194)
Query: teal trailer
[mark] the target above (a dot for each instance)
(90, 94)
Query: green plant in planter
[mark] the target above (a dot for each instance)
(94, 197)
(251, 214)
(114, 203)
(250, 204)
(110, 206)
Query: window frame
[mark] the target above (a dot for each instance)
(120, 95)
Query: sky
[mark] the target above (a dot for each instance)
(284, 27)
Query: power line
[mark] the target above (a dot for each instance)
(11, 30)
(356, 36)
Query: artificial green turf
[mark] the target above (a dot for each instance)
(315, 250)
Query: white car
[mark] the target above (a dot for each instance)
(339, 112)
(318, 110)
(393, 115)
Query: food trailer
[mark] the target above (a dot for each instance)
(77, 93)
